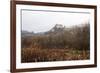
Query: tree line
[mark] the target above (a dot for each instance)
(77, 37)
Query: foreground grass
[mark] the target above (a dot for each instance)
(44, 55)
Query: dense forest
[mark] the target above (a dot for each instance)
(59, 43)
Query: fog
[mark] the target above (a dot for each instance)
(41, 21)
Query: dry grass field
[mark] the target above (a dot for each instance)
(44, 55)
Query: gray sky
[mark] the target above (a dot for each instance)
(41, 21)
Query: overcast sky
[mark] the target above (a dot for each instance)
(41, 21)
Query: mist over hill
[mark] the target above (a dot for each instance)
(58, 28)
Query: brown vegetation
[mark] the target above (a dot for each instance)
(44, 55)
(59, 45)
